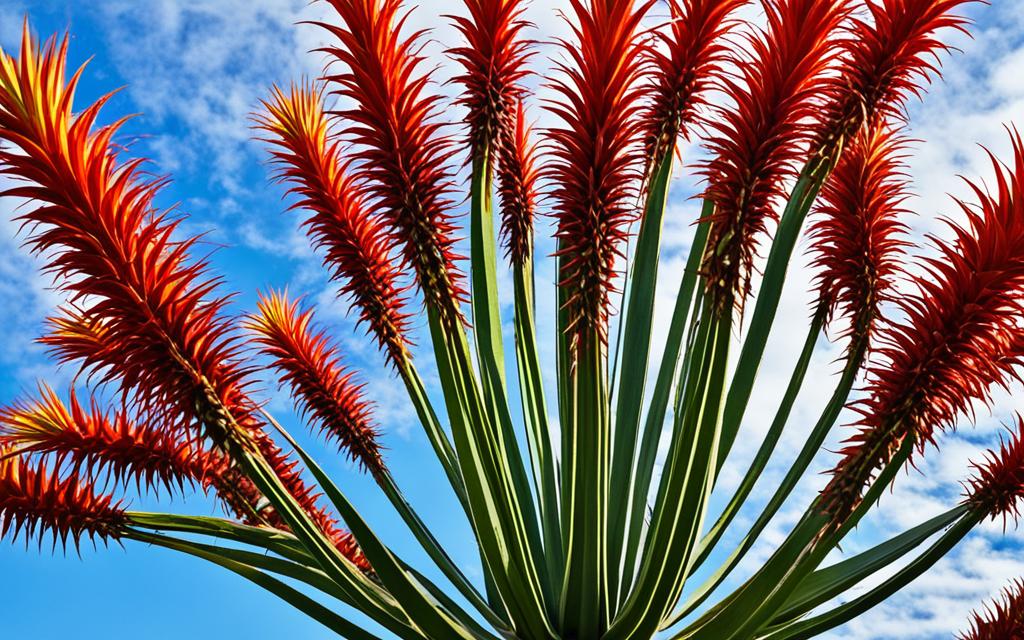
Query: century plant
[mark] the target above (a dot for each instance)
(591, 507)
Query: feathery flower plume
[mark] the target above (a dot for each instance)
(400, 152)
(494, 59)
(757, 145)
(956, 343)
(998, 483)
(37, 504)
(693, 53)
(325, 393)
(858, 237)
(356, 243)
(517, 176)
(885, 62)
(97, 227)
(596, 156)
(1002, 619)
(98, 443)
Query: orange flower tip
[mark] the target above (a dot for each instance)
(356, 245)
(37, 504)
(889, 57)
(997, 486)
(399, 150)
(759, 144)
(960, 338)
(1002, 619)
(95, 223)
(517, 176)
(685, 68)
(493, 59)
(324, 391)
(858, 237)
(597, 159)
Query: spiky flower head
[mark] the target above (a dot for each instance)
(888, 60)
(517, 189)
(997, 486)
(166, 338)
(957, 342)
(324, 391)
(1002, 619)
(692, 54)
(400, 152)
(757, 145)
(37, 504)
(858, 236)
(596, 158)
(356, 243)
(494, 61)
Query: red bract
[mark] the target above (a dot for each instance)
(517, 188)
(36, 504)
(757, 145)
(858, 237)
(356, 243)
(401, 154)
(325, 393)
(494, 60)
(998, 484)
(166, 341)
(685, 67)
(887, 60)
(955, 343)
(1003, 619)
(596, 156)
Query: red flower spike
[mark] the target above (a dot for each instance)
(356, 243)
(95, 442)
(517, 189)
(37, 504)
(961, 337)
(998, 483)
(97, 227)
(400, 154)
(1003, 619)
(758, 145)
(325, 393)
(494, 60)
(886, 61)
(858, 236)
(693, 54)
(596, 154)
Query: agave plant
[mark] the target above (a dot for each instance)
(592, 509)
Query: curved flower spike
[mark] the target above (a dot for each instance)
(1002, 619)
(961, 338)
(325, 393)
(357, 245)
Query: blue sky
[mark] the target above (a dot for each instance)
(195, 70)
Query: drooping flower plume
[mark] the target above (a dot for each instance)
(886, 61)
(400, 151)
(517, 188)
(1002, 619)
(759, 143)
(357, 245)
(324, 391)
(952, 348)
(596, 158)
(494, 60)
(858, 236)
(95, 222)
(685, 68)
(38, 504)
